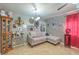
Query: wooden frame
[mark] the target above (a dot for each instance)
(6, 31)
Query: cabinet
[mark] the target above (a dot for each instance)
(67, 40)
(5, 34)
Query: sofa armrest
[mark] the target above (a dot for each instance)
(29, 39)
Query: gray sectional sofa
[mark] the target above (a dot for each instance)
(38, 37)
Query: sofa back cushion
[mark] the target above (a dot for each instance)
(35, 34)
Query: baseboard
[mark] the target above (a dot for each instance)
(61, 43)
(19, 45)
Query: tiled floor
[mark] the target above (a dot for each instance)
(43, 49)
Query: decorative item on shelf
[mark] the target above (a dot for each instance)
(9, 26)
(9, 41)
(4, 25)
(68, 31)
(19, 21)
(14, 25)
(2, 13)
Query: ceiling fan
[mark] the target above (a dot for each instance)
(62, 6)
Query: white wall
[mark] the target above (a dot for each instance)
(26, 22)
(58, 28)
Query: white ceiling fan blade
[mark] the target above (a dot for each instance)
(62, 6)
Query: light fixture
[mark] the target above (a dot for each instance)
(37, 18)
(32, 17)
(36, 13)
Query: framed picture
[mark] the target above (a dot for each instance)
(42, 28)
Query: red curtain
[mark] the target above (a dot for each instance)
(72, 23)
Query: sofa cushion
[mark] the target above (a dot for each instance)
(32, 34)
(36, 34)
(39, 38)
(53, 39)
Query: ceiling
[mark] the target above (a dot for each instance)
(44, 9)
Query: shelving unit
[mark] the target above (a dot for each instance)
(67, 40)
(5, 34)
